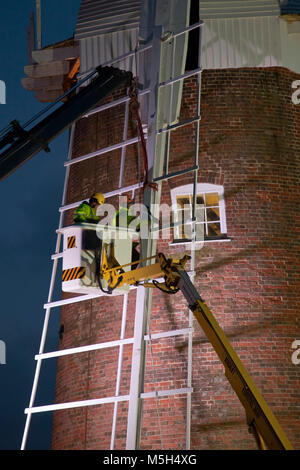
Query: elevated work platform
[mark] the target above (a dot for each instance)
(82, 251)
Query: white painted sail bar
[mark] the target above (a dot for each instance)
(105, 400)
(111, 344)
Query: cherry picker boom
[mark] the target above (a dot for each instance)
(260, 419)
(20, 144)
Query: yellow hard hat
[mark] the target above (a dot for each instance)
(99, 197)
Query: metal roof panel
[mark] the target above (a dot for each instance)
(238, 9)
(97, 17)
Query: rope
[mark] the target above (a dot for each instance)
(135, 107)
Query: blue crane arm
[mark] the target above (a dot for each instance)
(21, 145)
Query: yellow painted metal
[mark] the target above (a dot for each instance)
(261, 421)
(128, 264)
(142, 274)
(259, 416)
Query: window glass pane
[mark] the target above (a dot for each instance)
(200, 231)
(187, 231)
(212, 199)
(213, 214)
(200, 214)
(184, 231)
(214, 230)
(200, 199)
(180, 233)
(179, 218)
(183, 201)
(187, 228)
(186, 214)
(183, 217)
(207, 212)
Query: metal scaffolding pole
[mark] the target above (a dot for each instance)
(119, 371)
(148, 247)
(48, 310)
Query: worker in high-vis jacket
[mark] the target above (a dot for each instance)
(122, 218)
(86, 213)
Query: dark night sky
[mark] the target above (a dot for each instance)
(30, 199)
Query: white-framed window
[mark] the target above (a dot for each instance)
(210, 212)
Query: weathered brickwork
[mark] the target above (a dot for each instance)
(250, 144)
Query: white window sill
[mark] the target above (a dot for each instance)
(183, 242)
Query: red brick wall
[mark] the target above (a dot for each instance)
(250, 143)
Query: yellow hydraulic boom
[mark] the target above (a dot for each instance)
(260, 419)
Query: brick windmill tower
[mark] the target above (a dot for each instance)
(215, 85)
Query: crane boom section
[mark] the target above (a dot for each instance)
(25, 144)
(261, 421)
(260, 418)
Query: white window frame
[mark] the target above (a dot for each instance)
(201, 188)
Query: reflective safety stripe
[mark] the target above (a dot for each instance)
(73, 273)
(71, 241)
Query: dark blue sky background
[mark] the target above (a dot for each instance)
(30, 199)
